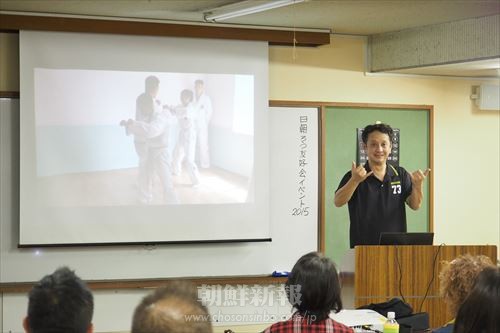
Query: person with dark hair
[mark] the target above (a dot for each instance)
(376, 192)
(151, 131)
(313, 289)
(480, 312)
(146, 105)
(60, 303)
(456, 280)
(174, 308)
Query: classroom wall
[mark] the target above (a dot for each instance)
(466, 140)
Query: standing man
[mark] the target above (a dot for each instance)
(146, 105)
(155, 134)
(203, 106)
(376, 193)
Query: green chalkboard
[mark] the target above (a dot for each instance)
(339, 140)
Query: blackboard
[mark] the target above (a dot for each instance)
(292, 235)
(339, 145)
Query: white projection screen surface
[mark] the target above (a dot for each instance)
(135, 139)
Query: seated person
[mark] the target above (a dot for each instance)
(456, 280)
(60, 302)
(172, 309)
(313, 289)
(480, 312)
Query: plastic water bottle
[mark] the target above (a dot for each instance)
(391, 325)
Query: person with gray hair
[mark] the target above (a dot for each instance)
(174, 308)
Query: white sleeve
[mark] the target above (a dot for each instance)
(149, 130)
(208, 108)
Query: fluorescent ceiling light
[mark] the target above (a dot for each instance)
(245, 8)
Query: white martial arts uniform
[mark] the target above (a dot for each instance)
(186, 142)
(203, 106)
(146, 106)
(156, 133)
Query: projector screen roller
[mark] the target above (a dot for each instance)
(142, 140)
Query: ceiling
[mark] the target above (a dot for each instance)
(352, 17)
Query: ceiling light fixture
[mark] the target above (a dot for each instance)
(245, 8)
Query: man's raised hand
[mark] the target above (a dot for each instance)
(418, 177)
(358, 173)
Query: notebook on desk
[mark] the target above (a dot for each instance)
(406, 238)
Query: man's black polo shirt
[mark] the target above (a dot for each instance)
(377, 206)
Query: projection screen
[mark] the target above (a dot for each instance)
(135, 139)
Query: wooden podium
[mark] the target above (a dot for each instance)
(384, 272)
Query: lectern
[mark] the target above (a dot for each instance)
(384, 272)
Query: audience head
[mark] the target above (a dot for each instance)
(313, 287)
(458, 276)
(382, 128)
(172, 309)
(60, 303)
(480, 311)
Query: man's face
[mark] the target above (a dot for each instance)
(378, 147)
(185, 100)
(154, 92)
(199, 89)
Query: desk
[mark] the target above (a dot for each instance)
(378, 277)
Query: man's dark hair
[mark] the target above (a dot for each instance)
(382, 128)
(313, 287)
(479, 312)
(187, 93)
(152, 82)
(174, 308)
(199, 82)
(60, 303)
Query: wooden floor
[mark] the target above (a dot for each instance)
(119, 187)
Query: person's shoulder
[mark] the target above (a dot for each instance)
(346, 176)
(448, 328)
(281, 326)
(344, 179)
(341, 328)
(400, 171)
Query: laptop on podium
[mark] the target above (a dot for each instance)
(406, 238)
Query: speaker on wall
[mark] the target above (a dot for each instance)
(487, 97)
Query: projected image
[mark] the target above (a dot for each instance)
(140, 138)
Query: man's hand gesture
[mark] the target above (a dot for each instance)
(358, 173)
(418, 177)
